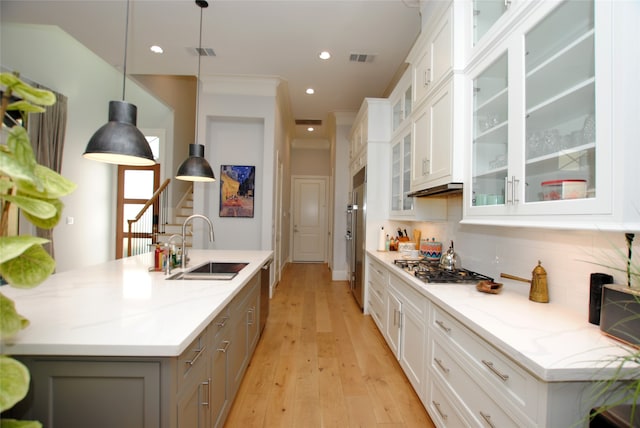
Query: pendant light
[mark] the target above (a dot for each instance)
(196, 167)
(120, 141)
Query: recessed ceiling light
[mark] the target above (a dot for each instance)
(324, 55)
(310, 129)
(310, 91)
(156, 49)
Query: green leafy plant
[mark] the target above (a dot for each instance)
(36, 190)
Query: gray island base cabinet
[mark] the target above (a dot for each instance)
(193, 390)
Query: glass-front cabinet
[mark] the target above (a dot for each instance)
(485, 15)
(560, 146)
(536, 147)
(490, 148)
(402, 107)
(401, 175)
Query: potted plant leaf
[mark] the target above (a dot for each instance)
(36, 190)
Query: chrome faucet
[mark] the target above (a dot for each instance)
(184, 232)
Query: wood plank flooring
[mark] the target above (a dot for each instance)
(322, 363)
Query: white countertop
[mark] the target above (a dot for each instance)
(119, 308)
(551, 343)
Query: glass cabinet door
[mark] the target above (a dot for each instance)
(490, 137)
(407, 202)
(396, 184)
(401, 175)
(560, 144)
(485, 14)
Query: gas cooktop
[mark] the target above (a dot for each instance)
(430, 271)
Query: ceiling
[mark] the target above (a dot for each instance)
(252, 38)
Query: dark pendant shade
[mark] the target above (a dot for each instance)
(120, 141)
(195, 167)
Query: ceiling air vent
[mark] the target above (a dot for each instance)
(360, 57)
(204, 51)
(309, 122)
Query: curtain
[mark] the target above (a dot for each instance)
(47, 131)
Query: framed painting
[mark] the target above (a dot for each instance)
(237, 190)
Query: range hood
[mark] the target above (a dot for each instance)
(444, 189)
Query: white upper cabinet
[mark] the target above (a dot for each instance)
(485, 14)
(542, 105)
(372, 124)
(432, 140)
(432, 56)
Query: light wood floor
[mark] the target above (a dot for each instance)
(322, 363)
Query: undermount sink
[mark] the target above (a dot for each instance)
(211, 271)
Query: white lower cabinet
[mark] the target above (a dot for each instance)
(477, 406)
(441, 407)
(394, 312)
(487, 383)
(377, 292)
(462, 379)
(406, 330)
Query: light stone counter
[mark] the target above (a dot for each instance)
(119, 308)
(548, 341)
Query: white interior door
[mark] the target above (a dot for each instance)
(309, 219)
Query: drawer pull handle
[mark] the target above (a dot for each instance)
(208, 384)
(441, 365)
(226, 346)
(199, 352)
(497, 372)
(487, 419)
(250, 315)
(437, 406)
(223, 322)
(442, 326)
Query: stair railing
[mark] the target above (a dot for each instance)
(144, 226)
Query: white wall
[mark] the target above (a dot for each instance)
(236, 141)
(569, 257)
(237, 126)
(52, 58)
(310, 162)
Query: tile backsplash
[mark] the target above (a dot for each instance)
(569, 257)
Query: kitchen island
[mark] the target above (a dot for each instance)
(480, 359)
(118, 345)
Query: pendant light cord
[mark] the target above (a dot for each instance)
(126, 43)
(201, 4)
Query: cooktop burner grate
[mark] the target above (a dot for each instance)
(432, 272)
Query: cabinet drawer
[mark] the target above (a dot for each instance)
(378, 273)
(412, 298)
(221, 322)
(479, 404)
(441, 409)
(376, 290)
(516, 385)
(192, 359)
(376, 309)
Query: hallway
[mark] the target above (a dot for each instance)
(321, 363)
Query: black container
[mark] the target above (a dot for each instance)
(595, 296)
